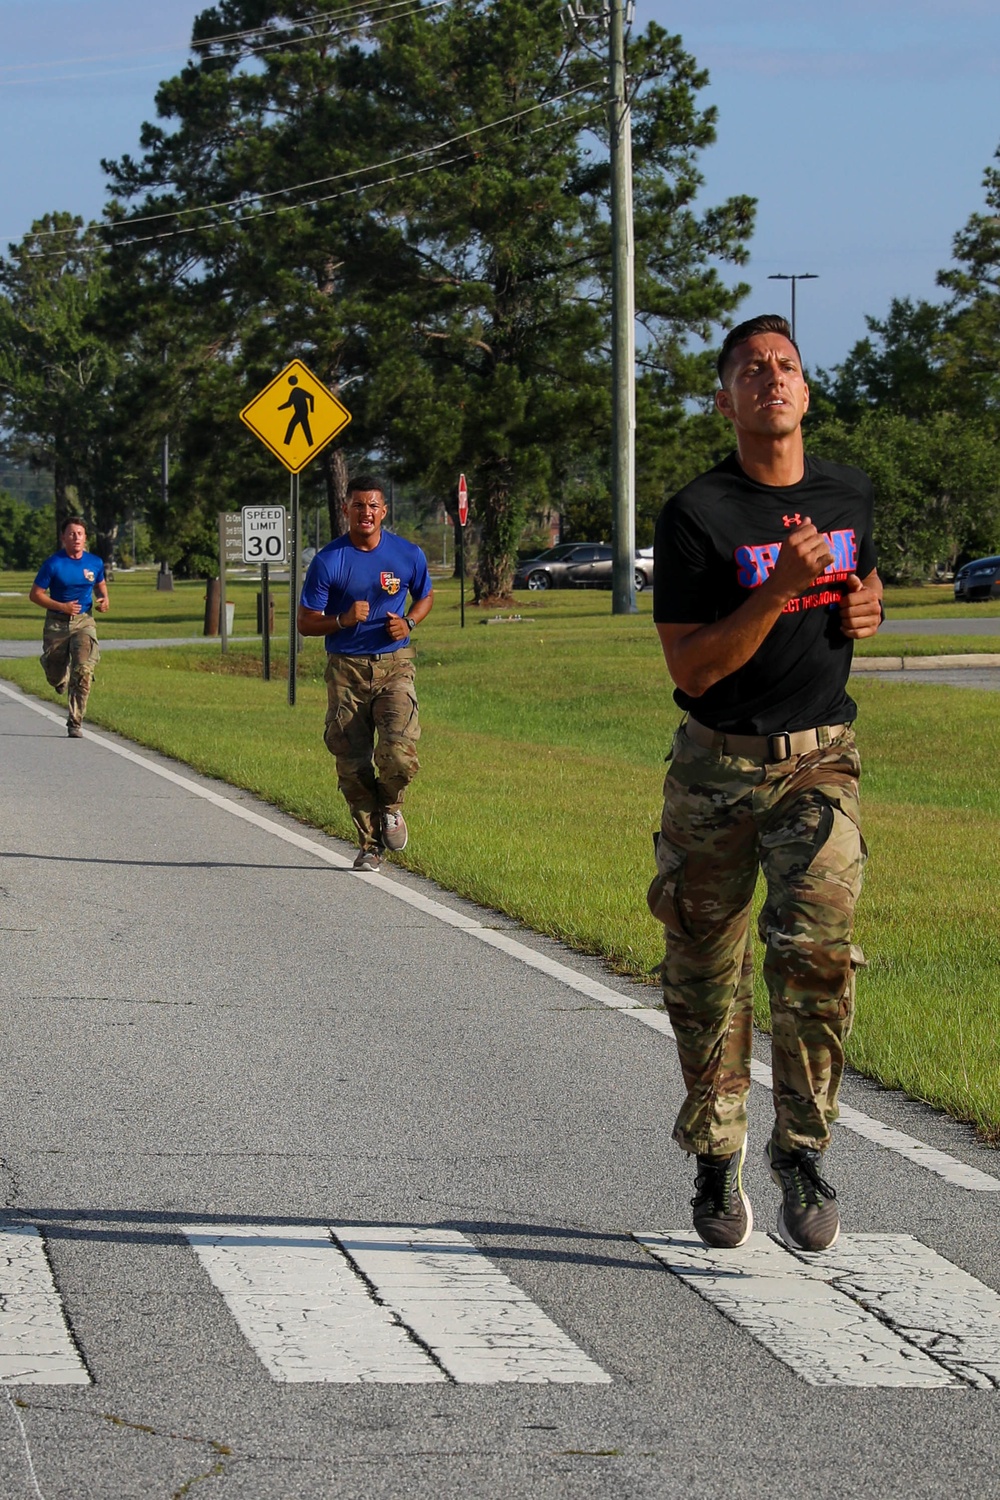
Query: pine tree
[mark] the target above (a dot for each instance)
(418, 199)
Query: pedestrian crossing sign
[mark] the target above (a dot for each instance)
(295, 416)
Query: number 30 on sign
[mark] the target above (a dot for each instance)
(263, 533)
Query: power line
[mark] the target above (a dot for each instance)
(205, 208)
(363, 187)
(239, 221)
(403, 9)
(192, 44)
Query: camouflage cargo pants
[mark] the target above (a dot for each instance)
(372, 728)
(70, 654)
(725, 817)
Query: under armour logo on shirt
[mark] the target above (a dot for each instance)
(795, 520)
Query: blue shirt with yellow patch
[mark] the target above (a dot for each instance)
(341, 573)
(67, 578)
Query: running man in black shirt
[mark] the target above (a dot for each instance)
(765, 574)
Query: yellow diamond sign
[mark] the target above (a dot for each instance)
(295, 416)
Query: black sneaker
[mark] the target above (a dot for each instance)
(808, 1218)
(722, 1213)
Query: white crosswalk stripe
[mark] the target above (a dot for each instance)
(35, 1343)
(401, 1305)
(304, 1311)
(875, 1310)
(440, 1310)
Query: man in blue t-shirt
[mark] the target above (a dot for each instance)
(355, 595)
(69, 586)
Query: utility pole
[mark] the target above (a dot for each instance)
(616, 17)
(803, 276)
(165, 579)
(622, 322)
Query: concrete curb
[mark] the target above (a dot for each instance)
(923, 663)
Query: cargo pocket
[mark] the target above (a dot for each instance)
(842, 855)
(662, 898)
(822, 842)
(335, 734)
(858, 961)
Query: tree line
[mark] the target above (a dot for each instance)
(410, 198)
(413, 199)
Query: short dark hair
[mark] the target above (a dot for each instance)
(763, 323)
(73, 521)
(362, 483)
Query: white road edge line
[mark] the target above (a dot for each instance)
(950, 1168)
(959, 1173)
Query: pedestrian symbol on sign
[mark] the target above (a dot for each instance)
(302, 403)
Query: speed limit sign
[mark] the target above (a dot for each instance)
(263, 533)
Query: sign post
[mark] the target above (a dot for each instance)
(463, 516)
(264, 533)
(294, 588)
(265, 622)
(295, 417)
(230, 550)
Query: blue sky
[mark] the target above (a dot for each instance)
(863, 129)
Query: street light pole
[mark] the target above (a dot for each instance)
(802, 276)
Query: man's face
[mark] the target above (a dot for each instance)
(365, 514)
(74, 540)
(765, 392)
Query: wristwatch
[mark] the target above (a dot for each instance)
(411, 623)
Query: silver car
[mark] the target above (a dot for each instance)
(568, 564)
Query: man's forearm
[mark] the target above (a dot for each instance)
(45, 601)
(421, 609)
(312, 622)
(700, 657)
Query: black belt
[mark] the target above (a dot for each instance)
(768, 747)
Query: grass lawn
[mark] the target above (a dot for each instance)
(542, 762)
(139, 611)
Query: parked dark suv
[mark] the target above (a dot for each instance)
(979, 579)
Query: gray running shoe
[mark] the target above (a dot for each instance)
(74, 731)
(368, 859)
(808, 1218)
(722, 1213)
(394, 830)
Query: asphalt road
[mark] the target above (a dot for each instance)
(210, 1023)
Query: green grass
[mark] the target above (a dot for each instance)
(923, 601)
(542, 762)
(898, 644)
(139, 611)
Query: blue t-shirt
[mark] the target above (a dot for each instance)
(342, 573)
(66, 578)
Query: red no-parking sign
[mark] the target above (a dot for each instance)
(463, 500)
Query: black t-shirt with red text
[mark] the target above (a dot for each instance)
(718, 539)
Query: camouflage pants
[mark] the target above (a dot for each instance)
(725, 817)
(70, 654)
(372, 730)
